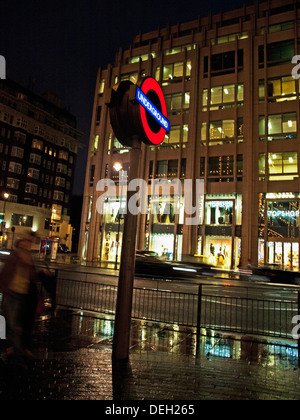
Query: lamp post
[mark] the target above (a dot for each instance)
(3, 222)
(118, 167)
(52, 219)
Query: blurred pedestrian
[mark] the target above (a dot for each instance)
(18, 283)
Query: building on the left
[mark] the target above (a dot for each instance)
(39, 142)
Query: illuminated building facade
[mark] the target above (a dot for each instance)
(39, 142)
(233, 103)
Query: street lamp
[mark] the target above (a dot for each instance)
(118, 167)
(6, 195)
(52, 219)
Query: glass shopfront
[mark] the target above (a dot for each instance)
(281, 217)
(217, 238)
(164, 226)
(112, 233)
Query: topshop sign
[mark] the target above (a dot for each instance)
(282, 213)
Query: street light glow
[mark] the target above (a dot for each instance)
(118, 167)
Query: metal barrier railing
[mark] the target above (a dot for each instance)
(245, 315)
(228, 313)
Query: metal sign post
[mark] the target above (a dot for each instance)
(126, 273)
(138, 113)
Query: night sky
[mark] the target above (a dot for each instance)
(59, 44)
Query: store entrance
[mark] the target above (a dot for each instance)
(283, 254)
(219, 252)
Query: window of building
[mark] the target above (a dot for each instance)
(101, 86)
(20, 137)
(229, 38)
(37, 144)
(261, 166)
(283, 166)
(183, 168)
(21, 220)
(223, 63)
(33, 173)
(239, 167)
(280, 126)
(63, 155)
(222, 97)
(15, 167)
(17, 152)
(60, 182)
(61, 168)
(176, 101)
(175, 72)
(161, 169)
(132, 77)
(278, 53)
(178, 134)
(220, 169)
(92, 175)
(221, 132)
(58, 195)
(31, 188)
(281, 89)
(13, 183)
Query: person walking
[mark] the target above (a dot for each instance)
(18, 283)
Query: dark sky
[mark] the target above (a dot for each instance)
(61, 43)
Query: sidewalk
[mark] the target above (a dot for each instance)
(73, 362)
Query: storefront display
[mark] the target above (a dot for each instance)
(280, 213)
(219, 251)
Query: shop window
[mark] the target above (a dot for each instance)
(219, 212)
(283, 166)
(283, 219)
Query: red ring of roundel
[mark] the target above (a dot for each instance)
(151, 84)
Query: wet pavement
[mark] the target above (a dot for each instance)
(73, 362)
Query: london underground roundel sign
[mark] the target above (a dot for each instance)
(139, 110)
(153, 110)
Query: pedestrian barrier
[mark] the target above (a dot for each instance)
(228, 312)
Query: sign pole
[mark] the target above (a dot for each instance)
(121, 340)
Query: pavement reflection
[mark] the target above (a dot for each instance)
(73, 361)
